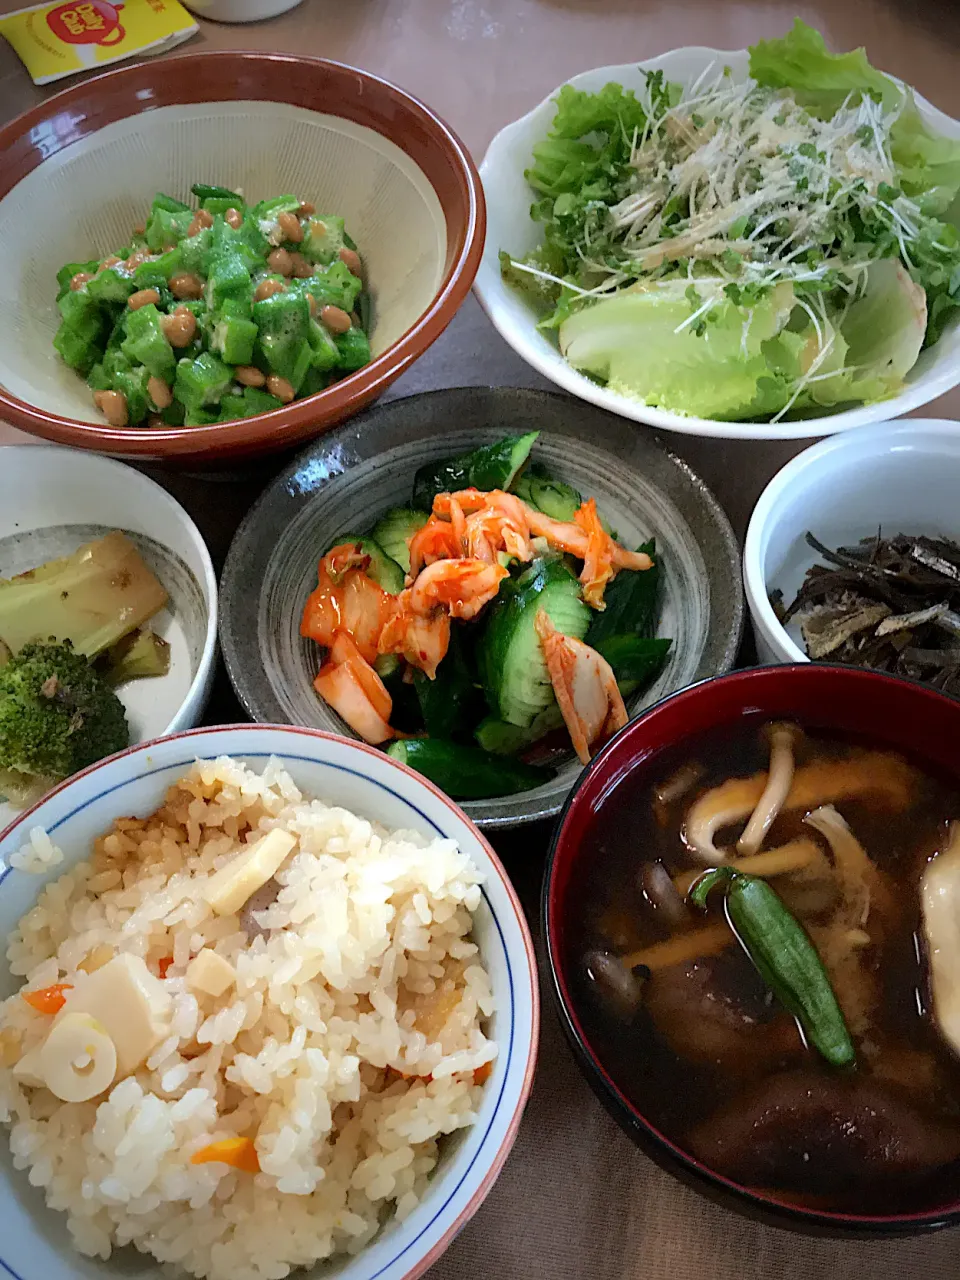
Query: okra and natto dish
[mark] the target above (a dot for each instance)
(484, 628)
(217, 311)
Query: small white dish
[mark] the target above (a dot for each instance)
(33, 1240)
(240, 10)
(509, 227)
(900, 477)
(53, 500)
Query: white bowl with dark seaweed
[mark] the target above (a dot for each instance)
(852, 554)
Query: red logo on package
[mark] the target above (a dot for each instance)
(90, 22)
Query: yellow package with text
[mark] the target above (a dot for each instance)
(54, 40)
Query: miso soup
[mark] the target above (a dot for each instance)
(692, 1014)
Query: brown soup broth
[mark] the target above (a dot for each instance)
(709, 1037)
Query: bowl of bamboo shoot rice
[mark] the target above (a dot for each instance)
(268, 1008)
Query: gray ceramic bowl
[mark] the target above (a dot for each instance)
(348, 479)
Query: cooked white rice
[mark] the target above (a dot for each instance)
(347, 1048)
(39, 855)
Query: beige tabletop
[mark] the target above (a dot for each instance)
(576, 1200)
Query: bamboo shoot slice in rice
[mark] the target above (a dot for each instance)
(129, 1002)
(28, 1069)
(209, 974)
(230, 887)
(78, 1058)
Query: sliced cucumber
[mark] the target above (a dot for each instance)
(406, 715)
(504, 739)
(394, 531)
(385, 571)
(512, 669)
(495, 466)
(555, 499)
(636, 660)
(451, 703)
(632, 603)
(467, 773)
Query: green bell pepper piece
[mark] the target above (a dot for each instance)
(200, 418)
(83, 314)
(165, 227)
(256, 400)
(785, 958)
(78, 350)
(324, 238)
(67, 272)
(234, 338)
(133, 384)
(336, 286)
(201, 382)
(170, 204)
(98, 378)
(211, 191)
(112, 284)
(229, 277)
(326, 354)
(194, 250)
(284, 324)
(147, 344)
(354, 349)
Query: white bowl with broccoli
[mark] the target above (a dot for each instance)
(759, 244)
(108, 606)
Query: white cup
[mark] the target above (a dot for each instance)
(239, 10)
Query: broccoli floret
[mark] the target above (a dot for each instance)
(56, 717)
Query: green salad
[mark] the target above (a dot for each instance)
(216, 312)
(785, 244)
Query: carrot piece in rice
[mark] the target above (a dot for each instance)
(48, 999)
(239, 1153)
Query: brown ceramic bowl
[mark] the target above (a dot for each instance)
(80, 171)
